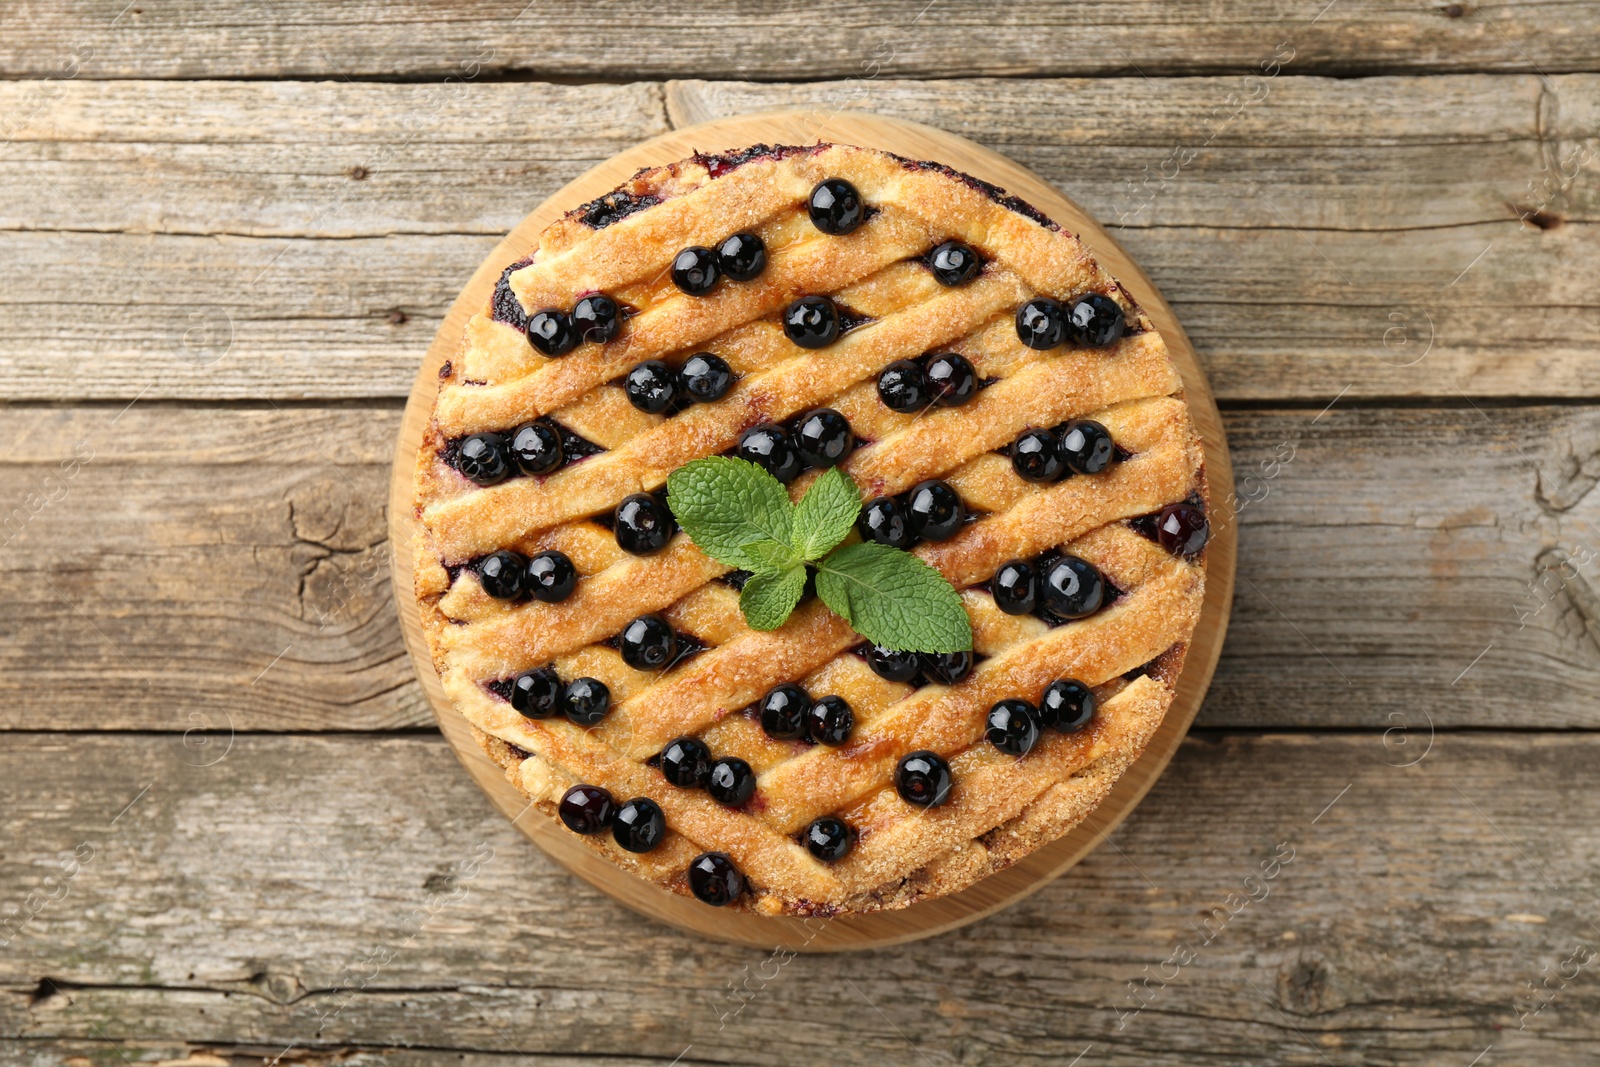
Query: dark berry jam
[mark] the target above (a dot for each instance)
(615, 206)
(507, 308)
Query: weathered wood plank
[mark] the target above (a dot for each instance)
(829, 38)
(93, 1053)
(313, 895)
(229, 563)
(275, 159)
(1320, 228)
(206, 568)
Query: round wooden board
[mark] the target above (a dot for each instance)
(999, 890)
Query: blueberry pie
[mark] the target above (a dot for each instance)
(1009, 415)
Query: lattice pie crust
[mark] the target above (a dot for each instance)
(1002, 806)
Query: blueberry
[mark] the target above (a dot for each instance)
(811, 322)
(948, 668)
(836, 207)
(686, 762)
(830, 721)
(1015, 589)
(1182, 529)
(1096, 320)
(952, 380)
(892, 665)
(1013, 726)
(1067, 705)
(823, 437)
(783, 712)
(1073, 588)
(705, 378)
(923, 778)
(597, 318)
(648, 643)
(537, 694)
(731, 781)
(1086, 447)
(503, 574)
(695, 270)
(551, 331)
(829, 839)
(903, 387)
(643, 525)
(883, 520)
(588, 700)
(551, 577)
(536, 447)
(587, 809)
(483, 458)
(650, 386)
(639, 825)
(1036, 457)
(954, 263)
(714, 880)
(934, 511)
(768, 446)
(1041, 323)
(742, 256)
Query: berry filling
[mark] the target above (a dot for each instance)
(829, 839)
(919, 669)
(1053, 587)
(649, 643)
(615, 206)
(947, 379)
(539, 694)
(731, 782)
(928, 511)
(993, 192)
(639, 825)
(505, 307)
(714, 880)
(850, 318)
(685, 762)
(812, 322)
(1181, 528)
(534, 448)
(718, 165)
(1081, 446)
(587, 809)
(656, 389)
(953, 263)
(1013, 726)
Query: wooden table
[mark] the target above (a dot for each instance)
(230, 831)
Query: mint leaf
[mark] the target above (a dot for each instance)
(724, 504)
(767, 599)
(894, 599)
(770, 555)
(826, 514)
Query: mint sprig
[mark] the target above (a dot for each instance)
(738, 514)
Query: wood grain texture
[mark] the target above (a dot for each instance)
(357, 894)
(1327, 235)
(202, 542)
(611, 39)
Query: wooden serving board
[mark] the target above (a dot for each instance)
(999, 890)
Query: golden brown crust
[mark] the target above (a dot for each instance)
(1003, 807)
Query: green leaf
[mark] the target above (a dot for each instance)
(894, 599)
(770, 555)
(826, 515)
(724, 504)
(768, 599)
